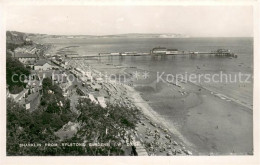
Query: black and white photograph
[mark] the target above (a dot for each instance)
(128, 80)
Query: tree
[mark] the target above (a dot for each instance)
(97, 120)
(15, 75)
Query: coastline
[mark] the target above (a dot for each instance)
(182, 121)
(191, 103)
(148, 111)
(180, 108)
(171, 141)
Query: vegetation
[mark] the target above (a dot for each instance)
(16, 70)
(98, 125)
(56, 109)
(14, 66)
(38, 126)
(104, 125)
(24, 127)
(13, 46)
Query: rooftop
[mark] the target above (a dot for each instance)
(159, 48)
(47, 73)
(172, 49)
(24, 55)
(41, 62)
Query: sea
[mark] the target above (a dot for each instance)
(212, 125)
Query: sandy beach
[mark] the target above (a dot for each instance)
(151, 125)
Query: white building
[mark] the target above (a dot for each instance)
(159, 50)
(25, 58)
(42, 65)
(28, 39)
(99, 80)
(102, 101)
(92, 98)
(172, 51)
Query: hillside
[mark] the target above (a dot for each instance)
(13, 37)
(19, 37)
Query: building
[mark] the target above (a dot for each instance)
(44, 74)
(159, 50)
(25, 57)
(117, 53)
(34, 86)
(172, 51)
(223, 51)
(42, 65)
(162, 50)
(82, 91)
(27, 39)
(59, 77)
(92, 98)
(32, 101)
(101, 101)
(65, 88)
(27, 54)
(66, 63)
(99, 80)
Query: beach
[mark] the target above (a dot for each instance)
(152, 133)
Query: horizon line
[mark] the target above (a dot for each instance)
(188, 36)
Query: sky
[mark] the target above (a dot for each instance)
(195, 21)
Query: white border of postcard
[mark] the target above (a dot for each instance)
(255, 159)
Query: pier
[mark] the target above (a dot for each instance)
(157, 52)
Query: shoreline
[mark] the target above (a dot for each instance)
(148, 111)
(150, 122)
(189, 97)
(198, 99)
